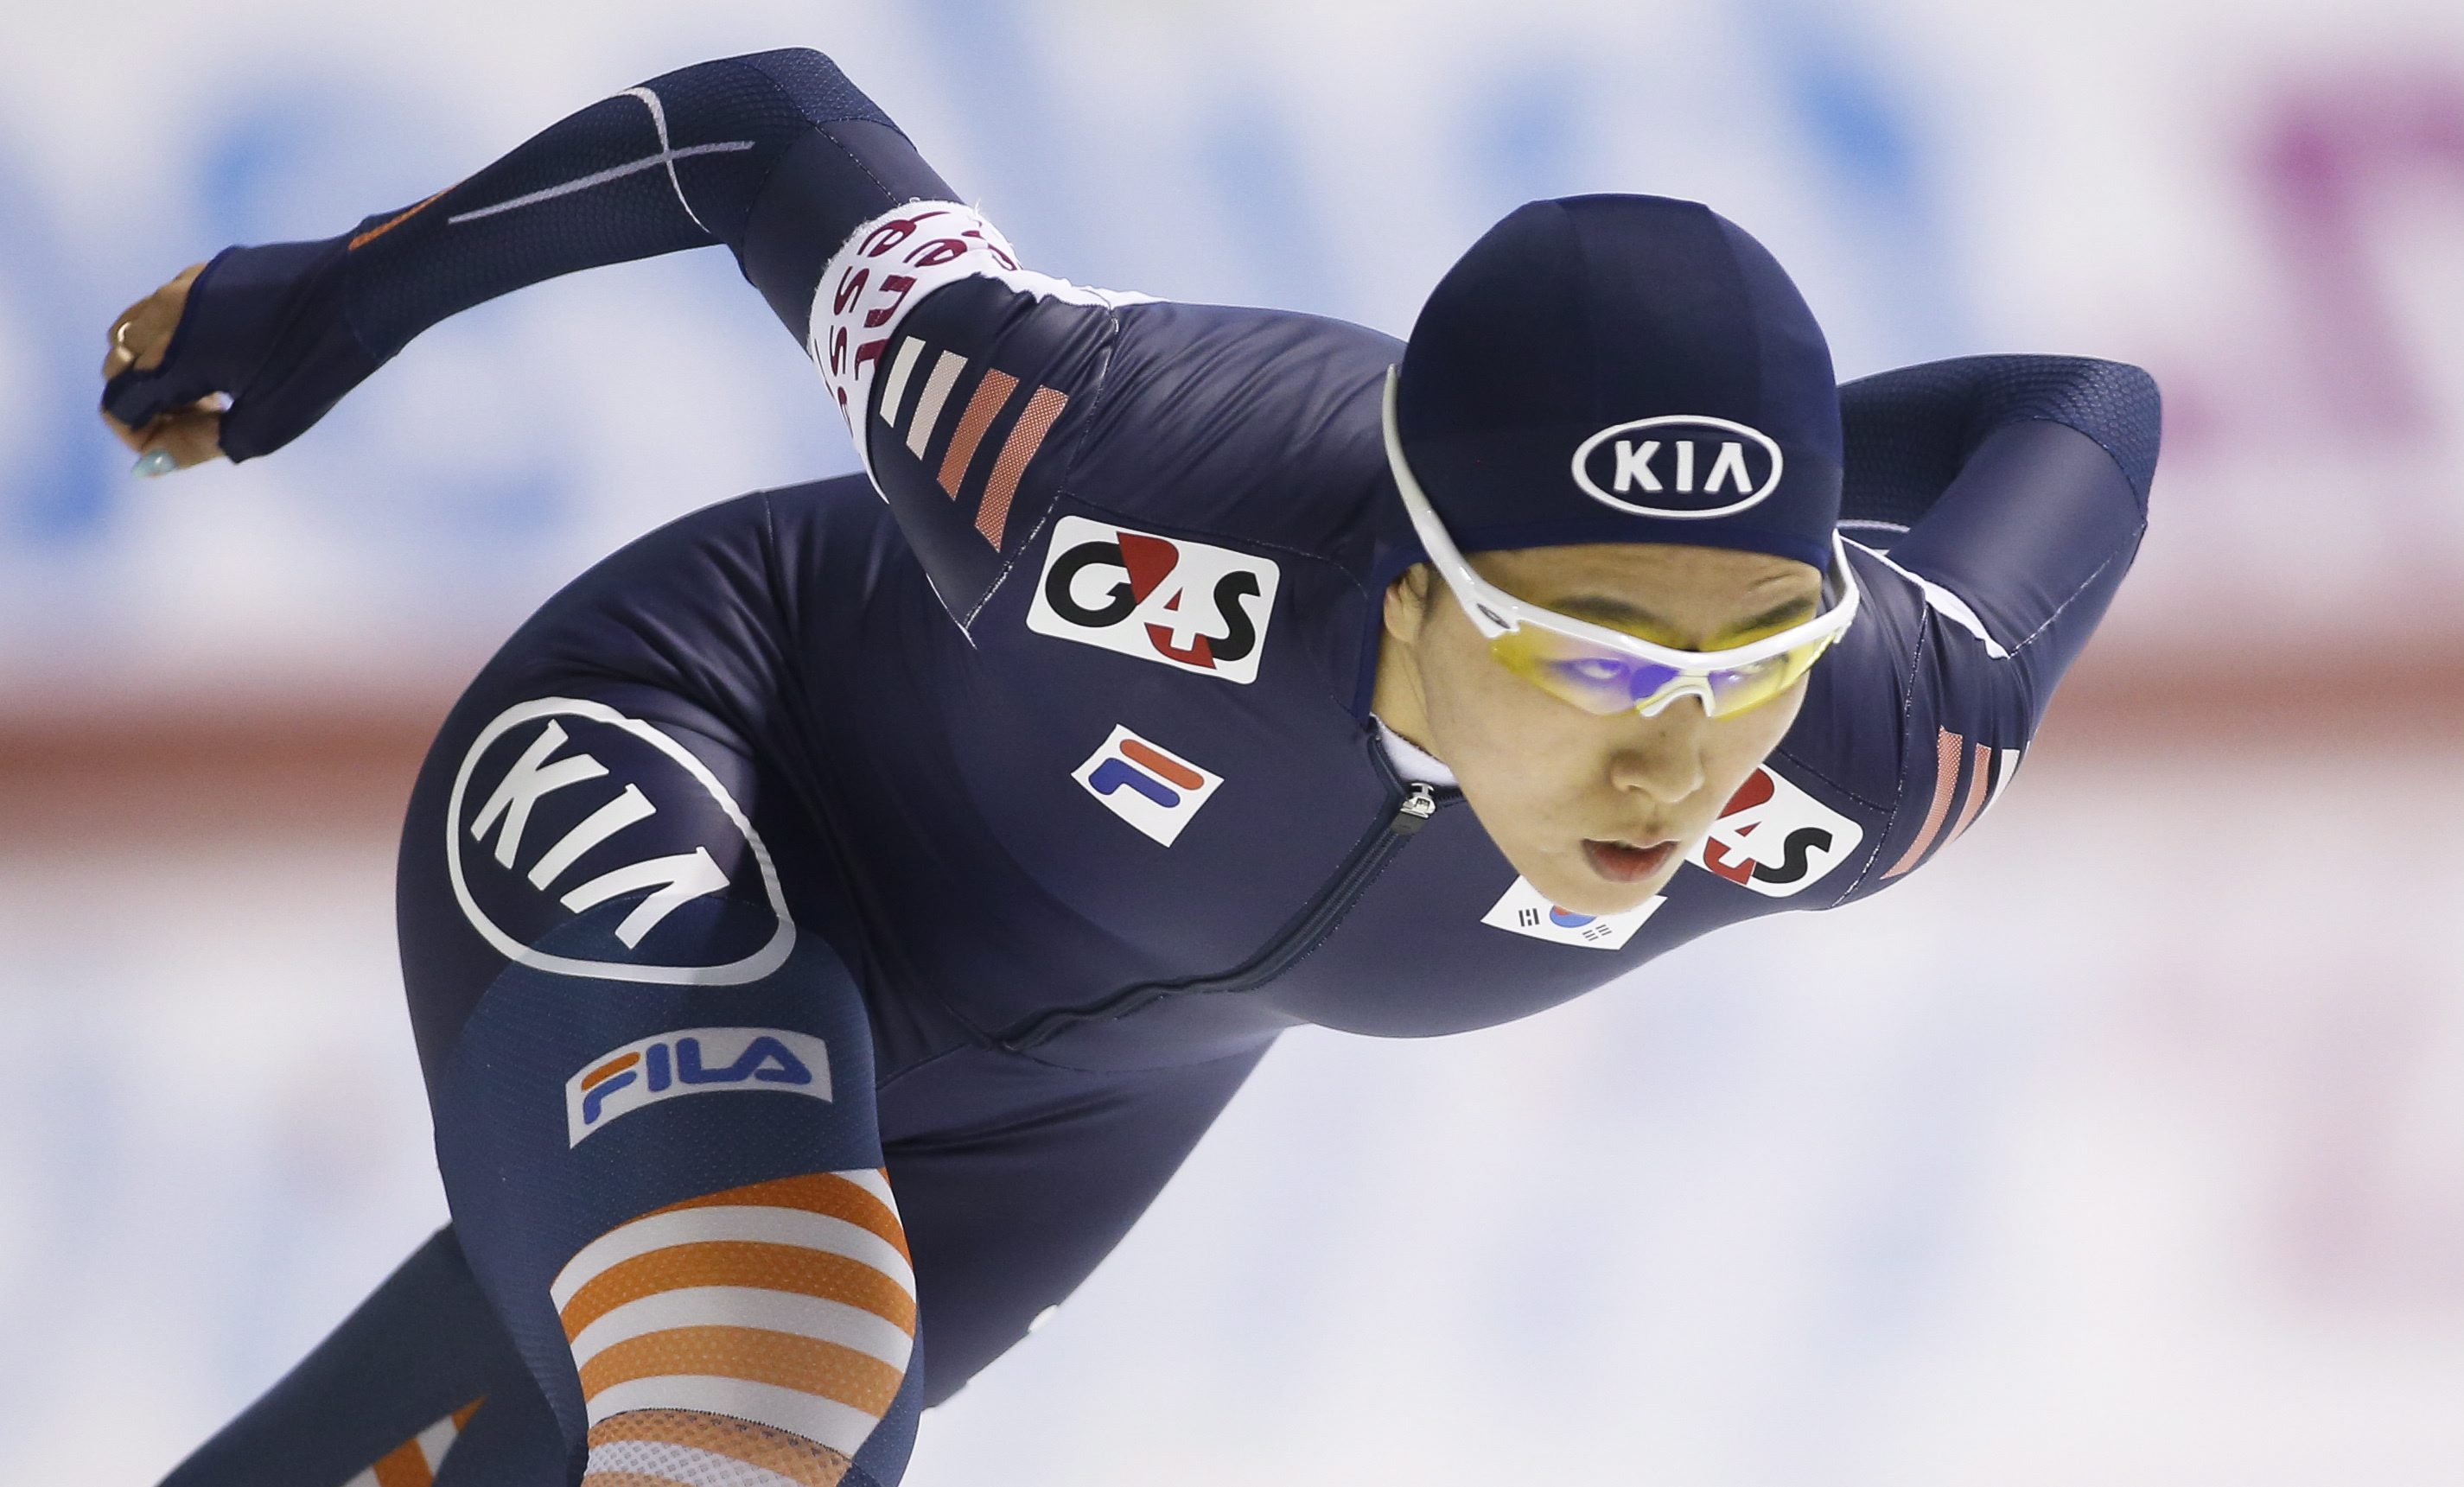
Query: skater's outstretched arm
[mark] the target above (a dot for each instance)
(776, 155)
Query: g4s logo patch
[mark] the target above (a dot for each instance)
(1187, 604)
(1775, 839)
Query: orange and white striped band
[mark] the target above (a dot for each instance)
(788, 1306)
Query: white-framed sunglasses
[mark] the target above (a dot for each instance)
(1605, 671)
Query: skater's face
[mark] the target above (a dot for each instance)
(1598, 812)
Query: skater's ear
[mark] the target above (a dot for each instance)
(1407, 602)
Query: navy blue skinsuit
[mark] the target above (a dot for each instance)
(984, 821)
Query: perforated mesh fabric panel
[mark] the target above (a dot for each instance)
(1909, 430)
(816, 86)
(700, 1450)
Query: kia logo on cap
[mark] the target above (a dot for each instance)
(1682, 466)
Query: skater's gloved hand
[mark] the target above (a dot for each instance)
(176, 437)
(235, 358)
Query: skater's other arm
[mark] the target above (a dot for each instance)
(2021, 483)
(2005, 497)
(776, 155)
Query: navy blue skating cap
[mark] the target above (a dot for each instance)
(1623, 369)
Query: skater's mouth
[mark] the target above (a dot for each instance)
(1622, 861)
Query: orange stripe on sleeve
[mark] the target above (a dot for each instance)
(1041, 411)
(1978, 767)
(1948, 749)
(404, 1466)
(391, 223)
(807, 1365)
(991, 394)
(815, 1193)
(462, 1416)
(736, 1262)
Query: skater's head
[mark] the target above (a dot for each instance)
(1622, 369)
(1618, 434)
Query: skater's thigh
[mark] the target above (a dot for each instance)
(652, 1082)
(1017, 1178)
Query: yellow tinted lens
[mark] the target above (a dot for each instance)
(1593, 678)
(1602, 681)
(1736, 689)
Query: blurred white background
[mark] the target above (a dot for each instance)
(2131, 1150)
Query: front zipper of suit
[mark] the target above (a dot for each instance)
(1409, 810)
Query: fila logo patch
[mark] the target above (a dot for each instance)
(1187, 604)
(1681, 467)
(1775, 839)
(1524, 911)
(698, 1061)
(1151, 788)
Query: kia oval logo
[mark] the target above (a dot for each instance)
(562, 805)
(1678, 465)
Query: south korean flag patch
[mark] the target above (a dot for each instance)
(1524, 911)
